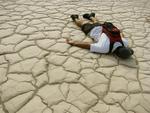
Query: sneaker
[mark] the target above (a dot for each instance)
(92, 15)
(88, 16)
(74, 17)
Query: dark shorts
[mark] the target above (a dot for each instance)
(86, 28)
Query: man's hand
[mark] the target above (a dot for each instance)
(69, 41)
(80, 44)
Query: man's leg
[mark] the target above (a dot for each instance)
(93, 19)
(78, 22)
(85, 25)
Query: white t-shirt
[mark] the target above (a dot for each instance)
(102, 42)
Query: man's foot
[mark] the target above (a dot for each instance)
(88, 16)
(92, 14)
(74, 17)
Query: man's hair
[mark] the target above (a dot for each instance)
(124, 52)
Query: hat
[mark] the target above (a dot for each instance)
(124, 52)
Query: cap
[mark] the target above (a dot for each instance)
(124, 52)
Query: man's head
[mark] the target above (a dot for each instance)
(124, 52)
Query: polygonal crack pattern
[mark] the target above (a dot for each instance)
(40, 73)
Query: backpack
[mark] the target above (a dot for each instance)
(113, 34)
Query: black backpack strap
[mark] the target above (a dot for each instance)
(122, 43)
(111, 47)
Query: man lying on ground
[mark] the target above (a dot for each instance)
(107, 38)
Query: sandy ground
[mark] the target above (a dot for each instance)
(39, 73)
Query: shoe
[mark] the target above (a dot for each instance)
(92, 14)
(88, 16)
(74, 17)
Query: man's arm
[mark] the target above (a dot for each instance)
(122, 35)
(85, 45)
